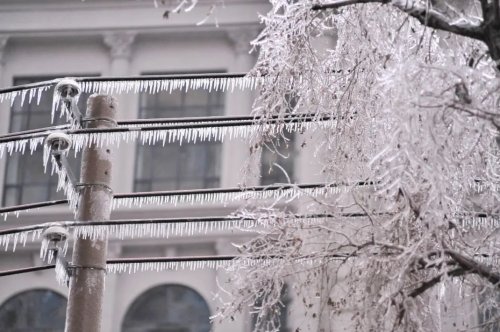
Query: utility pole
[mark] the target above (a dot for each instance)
(88, 266)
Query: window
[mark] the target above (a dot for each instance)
(168, 308)
(174, 166)
(283, 156)
(25, 180)
(40, 310)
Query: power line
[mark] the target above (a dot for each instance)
(185, 220)
(28, 86)
(34, 131)
(153, 260)
(187, 192)
(145, 78)
(29, 206)
(166, 124)
(193, 76)
(26, 270)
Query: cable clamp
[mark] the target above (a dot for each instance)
(91, 185)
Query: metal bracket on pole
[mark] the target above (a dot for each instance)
(54, 247)
(59, 144)
(69, 91)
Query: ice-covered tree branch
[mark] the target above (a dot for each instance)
(424, 13)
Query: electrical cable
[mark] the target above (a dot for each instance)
(145, 221)
(186, 192)
(140, 260)
(167, 124)
(193, 76)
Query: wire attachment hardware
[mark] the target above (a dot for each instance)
(59, 145)
(69, 91)
(54, 243)
(54, 247)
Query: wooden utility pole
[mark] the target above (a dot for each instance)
(88, 266)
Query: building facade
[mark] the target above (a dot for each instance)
(60, 38)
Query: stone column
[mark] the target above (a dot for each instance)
(120, 46)
(120, 51)
(236, 153)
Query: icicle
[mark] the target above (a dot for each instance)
(62, 276)
(171, 84)
(193, 265)
(224, 198)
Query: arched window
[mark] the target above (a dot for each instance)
(39, 310)
(168, 308)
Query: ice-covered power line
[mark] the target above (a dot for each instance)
(26, 270)
(190, 263)
(167, 131)
(156, 228)
(137, 84)
(205, 196)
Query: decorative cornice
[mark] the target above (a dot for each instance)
(120, 44)
(241, 38)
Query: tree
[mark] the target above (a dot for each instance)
(414, 88)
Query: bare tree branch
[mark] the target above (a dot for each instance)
(437, 279)
(468, 263)
(428, 17)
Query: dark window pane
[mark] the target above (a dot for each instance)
(173, 166)
(33, 311)
(168, 308)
